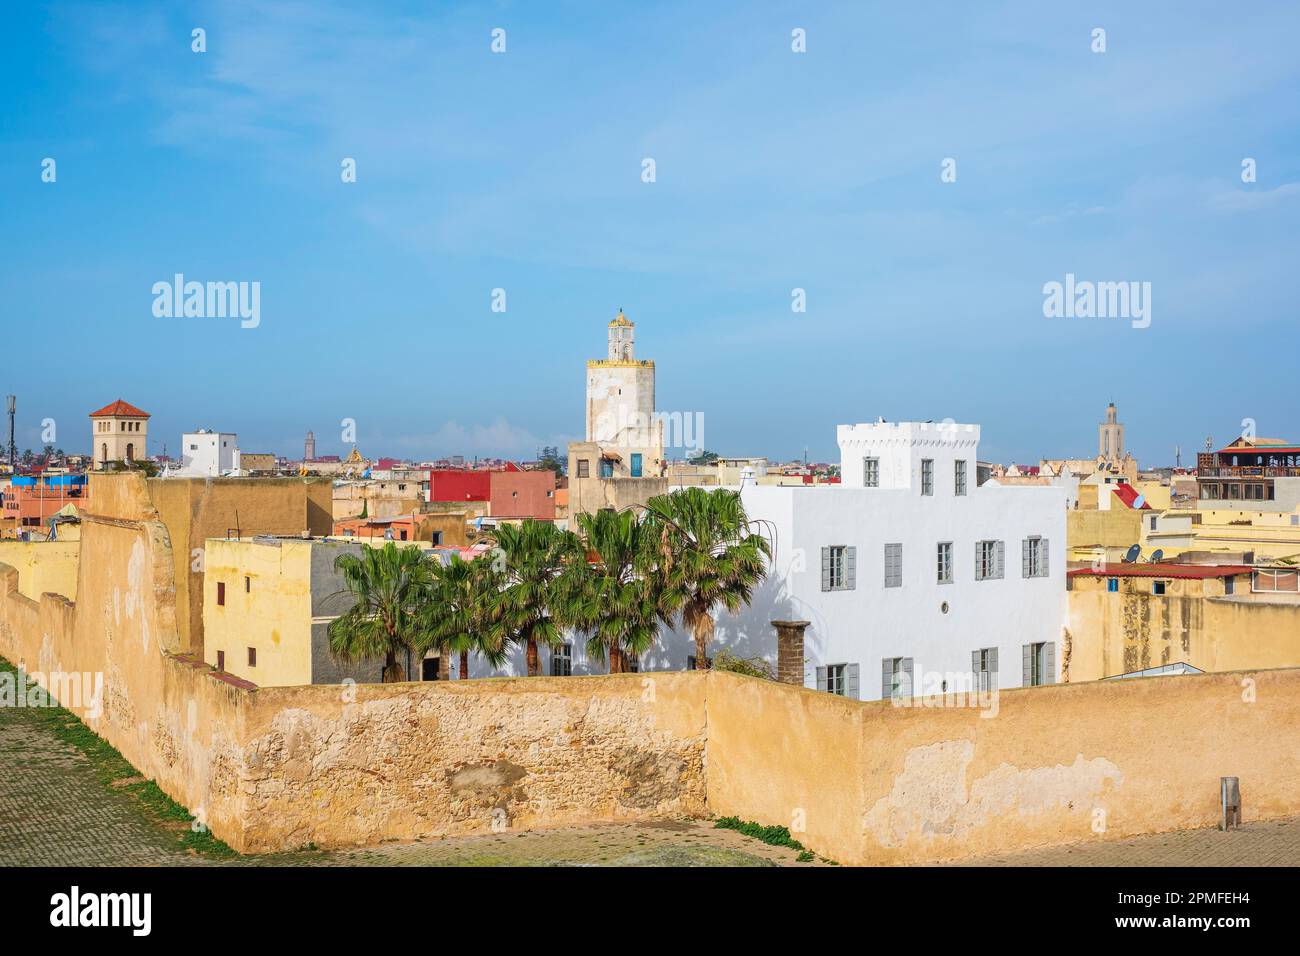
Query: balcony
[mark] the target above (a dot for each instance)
(1249, 471)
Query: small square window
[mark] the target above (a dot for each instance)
(1158, 587)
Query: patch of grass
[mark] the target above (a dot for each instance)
(805, 856)
(774, 835)
(110, 766)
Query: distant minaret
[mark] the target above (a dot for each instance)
(1110, 445)
(309, 448)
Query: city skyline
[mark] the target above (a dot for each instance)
(376, 295)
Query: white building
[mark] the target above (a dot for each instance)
(209, 454)
(913, 579)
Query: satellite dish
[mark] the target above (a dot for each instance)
(1157, 555)
(1133, 554)
(1139, 502)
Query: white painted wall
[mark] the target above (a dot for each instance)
(209, 454)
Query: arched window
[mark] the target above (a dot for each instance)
(130, 451)
(103, 454)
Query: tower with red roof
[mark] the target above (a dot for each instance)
(118, 432)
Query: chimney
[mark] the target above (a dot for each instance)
(789, 651)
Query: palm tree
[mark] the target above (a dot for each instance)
(457, 616)
(392, 587)
(540, 567)
(706, 556)
(620, 600)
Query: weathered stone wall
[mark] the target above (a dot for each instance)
(398, 761)
(873, 783)
(1116, 633)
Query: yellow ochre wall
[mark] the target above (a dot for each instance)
(1193, 622)
(194, 510)
(274, 615)
(43, 566)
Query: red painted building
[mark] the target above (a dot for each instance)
(508, 492)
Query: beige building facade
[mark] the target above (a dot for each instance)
(119, 433)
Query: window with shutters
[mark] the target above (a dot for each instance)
(1038, 664)
(896, 678)
(988, 560)
(893, 565)
(835, 678)
(839, 568)
(927, 476)
(871, 472)
(1034, 557)
(959, 477)
(1112, 585)
(841, 679)
(943, 562)
(984, 665)
(584, 468)
(562, 661)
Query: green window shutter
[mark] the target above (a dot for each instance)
(1026, 665)
(852, 690)
(851, 568)
(1049, 677)
(886, 678)
(826, 570)
(1025, 569)
(821, 678)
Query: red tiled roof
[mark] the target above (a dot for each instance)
(1165, 570)
(119, 409)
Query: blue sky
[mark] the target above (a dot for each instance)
(775, 170)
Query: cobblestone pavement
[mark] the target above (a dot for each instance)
(1263, 843)
(55, 810)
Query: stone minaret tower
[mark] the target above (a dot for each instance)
(309, 448)
(621, 399)
(1110, 443)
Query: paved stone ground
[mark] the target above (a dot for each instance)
(55, 810)
(663, 843)
(1263, 843)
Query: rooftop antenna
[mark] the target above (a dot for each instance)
(1178, 456)
(11, 404)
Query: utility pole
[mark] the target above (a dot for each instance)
(12, 406)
